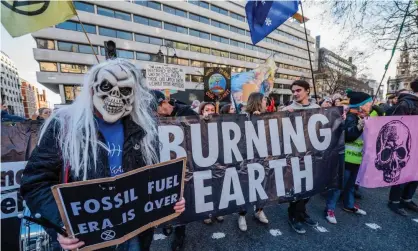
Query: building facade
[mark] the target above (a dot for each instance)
(10, 86)
(403, 73)
(335, 74)
(201, 34)
(29, 99)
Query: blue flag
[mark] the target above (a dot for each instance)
(265, 16)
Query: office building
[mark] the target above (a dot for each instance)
(29, 99)
(334, 74)
(201, 34)
(10, 86)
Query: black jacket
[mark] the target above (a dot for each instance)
(182, 110)
(45, 169)
(407, 105)
(351, 131)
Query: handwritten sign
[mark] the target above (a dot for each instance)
(165, 77)
(109, 211)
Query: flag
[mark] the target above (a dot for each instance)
(23, 17)
(265, 16)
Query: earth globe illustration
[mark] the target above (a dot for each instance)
(217, 84)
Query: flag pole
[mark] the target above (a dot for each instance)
(309, 51)
(85, 33)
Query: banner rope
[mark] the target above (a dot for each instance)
(393, 52)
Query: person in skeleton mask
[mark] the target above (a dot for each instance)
(107, 131)
(360, 108)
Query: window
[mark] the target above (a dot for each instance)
(220, 53)
(237, 16)
(48, 66)
(142, 38)
(188, 77)
(200, 49)
(87, 49)
(241, 57)
(45, 44)
(197, 79)
(148, 57)
(197, 63)
(124, 35)
(154, 40)
(234, 43)
(113, 13)
(125, 54)
(224, 40)
(70, 25)
(154, 5)
(84, 6)
(107, 32)
(174, 11)
(175, 28)
(199, 18)
(234, 56)
(71, 92)
(179, 61)
(219, 10)
(148, 21)
(241, 45)
(215, 38)
(177, 45)
(74, 68)
(238, 30)
(63, 46)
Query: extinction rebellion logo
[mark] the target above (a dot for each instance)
(108, 235)
(27, 8)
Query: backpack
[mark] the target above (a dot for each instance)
(412, 109)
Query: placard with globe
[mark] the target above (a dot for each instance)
(217, 84)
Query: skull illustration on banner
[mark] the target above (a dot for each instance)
(113, 93)
(393, 148)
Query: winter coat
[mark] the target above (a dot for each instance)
(351, 131)
(182, 110)
(45, 169)
(6, 117)
(407, 105)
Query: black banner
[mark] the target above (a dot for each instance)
(109, 211)
(217, 84)
(234, 162)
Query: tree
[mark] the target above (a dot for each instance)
(376, 23)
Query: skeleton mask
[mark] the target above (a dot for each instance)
(113, 93)
(393, 150)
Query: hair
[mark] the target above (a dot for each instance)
(254, 102)
(225, 109)
(302, 83)
(414, 85)
(276, 98)
(203, 105)
(77, 128)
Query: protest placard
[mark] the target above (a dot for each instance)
(162, 77)
(217, 84)
(109, 211)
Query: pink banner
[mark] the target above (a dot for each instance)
(390, 155)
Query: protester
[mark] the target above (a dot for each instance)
(327, 102)
(297, 209)
(163, 108)
(275, 100)
(6, 117)
(207, 108)
(228, 109)
(395, 99)
(256, 105)
(400, 196)
(360, 107)
(83, 132)
(167, 108)
(44, 114)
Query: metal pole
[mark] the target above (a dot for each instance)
(309, 51)
(85, 33)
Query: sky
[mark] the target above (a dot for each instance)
(20, 50)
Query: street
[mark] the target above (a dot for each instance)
(380, 230)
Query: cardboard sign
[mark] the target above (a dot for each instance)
(109, 211)
(162, 77)
(217, 84)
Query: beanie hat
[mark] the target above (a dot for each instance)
(358, 99)
(158, 96)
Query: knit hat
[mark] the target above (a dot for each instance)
(159, 97)
(358, 99)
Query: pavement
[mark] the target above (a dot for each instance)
(380, 230)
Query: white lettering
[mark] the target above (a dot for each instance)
(82, 228)
(90, 210)
(148, 207)
(290, 134)
(76, 207)
(167, 146)
(324, 132)
(260, 141)
(298, 174)
(200, 191)
(274, 137)
(278, 165)
(255, 184)
(212, 145)
(231, 178)
(230, 144)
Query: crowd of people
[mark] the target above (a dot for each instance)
(83, 129)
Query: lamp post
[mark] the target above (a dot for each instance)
(161, 54)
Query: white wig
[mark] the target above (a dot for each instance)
(78, 128)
